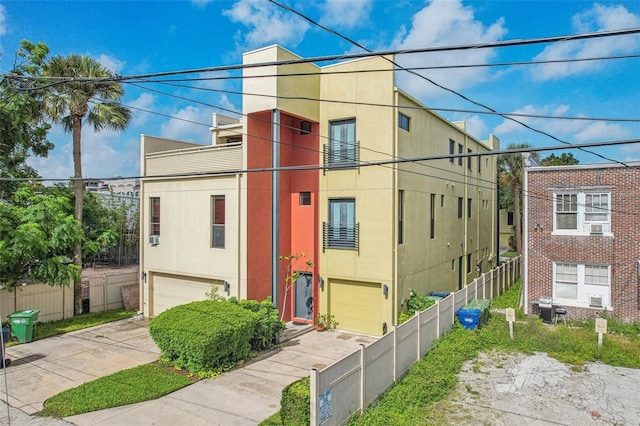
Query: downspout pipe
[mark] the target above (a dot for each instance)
(275, 207)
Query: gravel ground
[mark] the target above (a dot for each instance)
(515, 389)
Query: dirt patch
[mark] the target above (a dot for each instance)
(500, 388)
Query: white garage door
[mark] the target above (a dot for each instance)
(173, 290)
(356, 306)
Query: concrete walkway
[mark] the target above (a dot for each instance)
(243, 396)
(46, 367)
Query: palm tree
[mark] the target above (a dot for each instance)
(86, 93)
(510, 174)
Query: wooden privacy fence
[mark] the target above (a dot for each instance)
(354, 382)
(56, 302)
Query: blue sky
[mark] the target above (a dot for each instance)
(135, 37)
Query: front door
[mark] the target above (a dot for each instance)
(303, 297)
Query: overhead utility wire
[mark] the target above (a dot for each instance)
(305, 148)
(481, 105)
(420, 108)
(368, 54)
(335, 167)
(425, 68)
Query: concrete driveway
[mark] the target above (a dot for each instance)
(244, 396)
(46, 367)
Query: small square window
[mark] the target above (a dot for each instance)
(403, 121)
(305, 198)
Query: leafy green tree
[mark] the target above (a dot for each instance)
(23, 131)
(84, 95)
(566, 158)
(510, 176)
(37, 233)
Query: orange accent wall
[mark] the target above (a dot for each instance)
(299, 229)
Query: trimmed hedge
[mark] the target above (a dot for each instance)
(295, 403)
(203, 336)
(268, 327)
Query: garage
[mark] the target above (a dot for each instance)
(356, 306)
(173, 290)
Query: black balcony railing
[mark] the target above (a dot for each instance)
(342, 237)
(344, 156)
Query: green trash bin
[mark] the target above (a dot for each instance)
(483, 305)
(23, 324)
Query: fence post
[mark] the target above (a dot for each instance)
(484, 285)
(466, 295)
(395, 352)
(104, 292)
(438, 320)
(418, 314)
(363, 384)
(314, 393)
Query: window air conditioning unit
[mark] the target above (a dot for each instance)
(154, 240)
(595, 228)
(595, 301)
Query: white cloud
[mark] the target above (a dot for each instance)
(146, 102)
(445, 23)
(112, 64)
(104, 154)
(267, 24)
(599, 130)
(3, 21)
(573, 129)
(201, 3)
(227, 104)
(598, 18)
(476, 127)
(346, 14)
(185, 129)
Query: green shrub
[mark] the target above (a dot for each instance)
(202, 336)
(416, 303)
(295, 403)
(268, 326)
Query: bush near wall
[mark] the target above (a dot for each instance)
(295, 403)
(268, 327)
(202, 336)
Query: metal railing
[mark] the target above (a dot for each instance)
(341, 237)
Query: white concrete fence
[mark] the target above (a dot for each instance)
(354, 382)
(56, 302)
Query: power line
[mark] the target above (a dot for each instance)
(347, 56)
(335, 167)
(420, 108)
(481, 105)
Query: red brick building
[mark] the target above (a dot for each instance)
(582, 239)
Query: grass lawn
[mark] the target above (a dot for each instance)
(136, 384)
(54, 328)
(415, 399)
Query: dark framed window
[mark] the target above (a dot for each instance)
(459, 157)
(460, 207)
(342, 229)
(452, 149)
(403, 121)
(469, 208)
(510, 218)
(469, 159)
(342, 142)
(154, 222)
(469, 263)
(305, 199)
(400, 216)
(432, 217)
(479, 164)
(217, 221)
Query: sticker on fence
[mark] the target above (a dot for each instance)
(325, 405)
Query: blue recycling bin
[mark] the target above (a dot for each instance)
(469, 318)
(440, 294)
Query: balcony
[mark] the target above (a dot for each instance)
(345, 156)
(195, 159)
(340, 237)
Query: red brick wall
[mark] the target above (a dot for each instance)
(621, 251)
